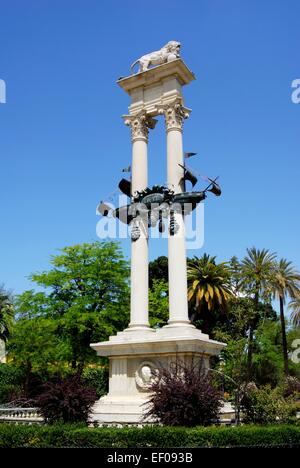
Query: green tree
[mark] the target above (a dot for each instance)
(285, 283)
(11, 380)
(158, 304)
(234, 332)
(6, 314)
(86, 298)
(241, 312)
(256, 273)
(158, 270)
(235, 268)
(265, 405)
(209, 287)
(34, 347)
(267, 357)
(233, 364)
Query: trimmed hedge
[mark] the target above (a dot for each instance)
(13, 436)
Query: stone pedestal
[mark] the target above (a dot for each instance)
(139, 349)
(131, 354)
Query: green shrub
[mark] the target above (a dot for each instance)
(13, 436)
(291, 387)
(265, 405)
(96, 378)
(11, 379)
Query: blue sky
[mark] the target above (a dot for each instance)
(63, 143)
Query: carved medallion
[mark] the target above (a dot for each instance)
(145, 375)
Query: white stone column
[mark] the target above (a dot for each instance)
(139, 316)
(178, 304)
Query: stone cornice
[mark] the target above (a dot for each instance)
(154, 75)
(177, 339)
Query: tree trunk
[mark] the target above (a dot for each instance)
(251, 338)
(80, 368)
(250, 353)
(284, 342)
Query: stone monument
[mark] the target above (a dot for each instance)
(136, 352)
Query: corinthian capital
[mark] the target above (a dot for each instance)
(139, 124)
(174, 113)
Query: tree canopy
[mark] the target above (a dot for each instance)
(85, 299)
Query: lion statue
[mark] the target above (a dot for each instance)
(171, 51)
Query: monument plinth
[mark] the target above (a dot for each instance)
(136, 352)
(130, 353)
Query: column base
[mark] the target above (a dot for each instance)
(179, 323)
(139, 327)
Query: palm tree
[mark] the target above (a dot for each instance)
(285, 283)
(209, 284)
(256, 272)
(294, 305)
(6, 314)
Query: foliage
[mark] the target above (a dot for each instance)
(183, 395)
(233, 365)
(291, 387)
(241, 313)
(6, 314)
(67, 400)
(267, 357)
(96, 378)
(209, 282)
(285, 283)
(294, 305)
(209, 287)
(11, 380)
(256, 273)
(158, 270)
(158, 303)
(265, 405)
(236, 278)
(56, 436)
(86, 299)
(34, 347)
(285, 280)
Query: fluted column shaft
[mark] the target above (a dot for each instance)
(139, 317)
(178, 305)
